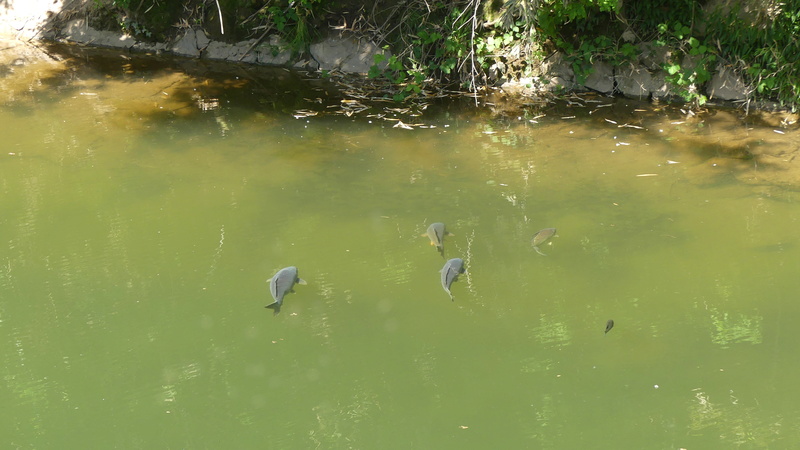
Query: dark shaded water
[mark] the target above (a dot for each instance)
(145, 204)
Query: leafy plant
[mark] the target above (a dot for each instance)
(765, 47)
(292, 20)
(690, 68)
(434, 45)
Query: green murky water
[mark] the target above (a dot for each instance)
(144, 205)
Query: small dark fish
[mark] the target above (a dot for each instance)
(541, 237)
(436, 233)
(609, 325)
(281, 283)
(450, 272)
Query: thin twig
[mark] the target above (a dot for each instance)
(221, 26)
(472, 48)
(257, 41)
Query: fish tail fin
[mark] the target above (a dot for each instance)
(539, 251)
(275, 307)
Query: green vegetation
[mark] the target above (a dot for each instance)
(473, 43)
(690, 66)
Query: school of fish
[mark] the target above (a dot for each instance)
(284, 280)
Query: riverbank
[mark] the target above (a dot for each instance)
(646, 73)
(758, 149)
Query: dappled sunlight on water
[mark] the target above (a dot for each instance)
(146, 204)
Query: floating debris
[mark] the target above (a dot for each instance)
(647, 175)
(207, 104)
(303, 113)
(609, 325)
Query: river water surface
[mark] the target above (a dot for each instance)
(145, 203)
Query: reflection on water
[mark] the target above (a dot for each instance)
(729, 329)
(145, 204)
(736, 424)
(551, 331)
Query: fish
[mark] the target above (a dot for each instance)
(450, 272)
(436, 233)
(609, 325)
(281, 283)
(541, 237)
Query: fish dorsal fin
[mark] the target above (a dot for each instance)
(301, 281)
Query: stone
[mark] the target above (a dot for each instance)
(557, 84)
(525, 86)
(273, 52)
(653, 56)
(243, 52)
(79, 31)
(635, 81)
(217, 50)
(602, 78)
(346, 53)
(248, 52)
(558, 73)
(146, 47)
(726, 84)
(556, 66)
(307, 64)
(659, 88)
(191, 44)
(201, 40)
(628, 35)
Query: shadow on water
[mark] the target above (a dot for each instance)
(189, 92)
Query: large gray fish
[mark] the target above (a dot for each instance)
(436, 233)
(541, 237)
(281, 283)
(450, 272)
